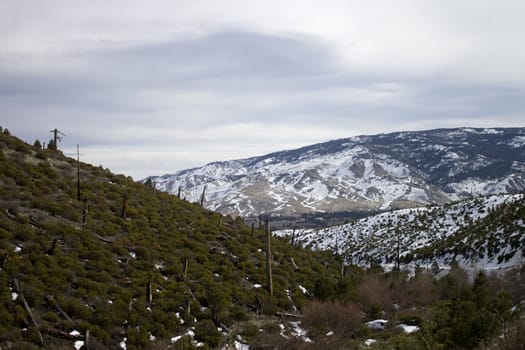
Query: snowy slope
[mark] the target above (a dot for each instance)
(364, 173)
(487, 231)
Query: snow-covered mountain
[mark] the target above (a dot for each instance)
(363, 173)
(483, 232)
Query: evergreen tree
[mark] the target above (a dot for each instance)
(52, 145)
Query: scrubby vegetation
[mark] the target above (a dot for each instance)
(129, 266)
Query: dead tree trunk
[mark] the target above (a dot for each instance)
(203, 195)
(398, 258)
(296, 268)
(186, 262)
(3, 260)
(178, 194)
(269, 282)
(54, 304)
(51, 250)
(29, 311)
(253, 228)
(149, 293)
(78, 174)
(124, 206)
(85, 213)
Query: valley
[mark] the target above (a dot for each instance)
(91, 259)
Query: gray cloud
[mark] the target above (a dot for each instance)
(148, 107)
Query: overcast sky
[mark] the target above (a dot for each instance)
(151, 87)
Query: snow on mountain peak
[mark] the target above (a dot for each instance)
(362, 173)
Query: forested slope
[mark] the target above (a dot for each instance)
(125, 262)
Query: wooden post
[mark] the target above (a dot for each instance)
(178, 194)
(269, 282)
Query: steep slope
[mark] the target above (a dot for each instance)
(364, 173)
(134, 267)
(484, 232)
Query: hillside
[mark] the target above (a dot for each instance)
(486, 232)
(362, 174)
(127, 266)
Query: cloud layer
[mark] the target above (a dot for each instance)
(150, 89)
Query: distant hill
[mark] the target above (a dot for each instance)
(362, 174)
(486, 232)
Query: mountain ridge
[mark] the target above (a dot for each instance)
(361, 173)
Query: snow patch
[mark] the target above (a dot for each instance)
(517, 142)
(369, 342)
(408, 329)
(299, 332)
(378, 325)
(240, 346)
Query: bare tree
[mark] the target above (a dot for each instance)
(203, 196)
(269, 282)
(56, 137)
(78, 173)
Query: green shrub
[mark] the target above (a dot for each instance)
(205, 331)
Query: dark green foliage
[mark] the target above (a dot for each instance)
(206, 331)
(51, 145)
(204, 269)
(97, 272)
(471, 314)
(37, 145)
